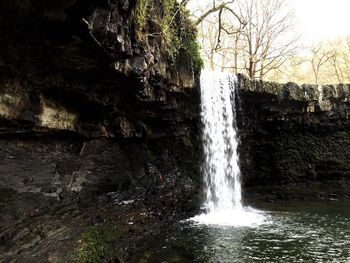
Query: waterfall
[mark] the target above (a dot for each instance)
(221, 172)
(220, 169)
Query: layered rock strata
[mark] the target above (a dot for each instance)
(295, 140)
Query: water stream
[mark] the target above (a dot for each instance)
(223, 204)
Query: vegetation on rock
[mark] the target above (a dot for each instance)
(97, 244)
(169, 20)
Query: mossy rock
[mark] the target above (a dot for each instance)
(97, 244)
(169, 20)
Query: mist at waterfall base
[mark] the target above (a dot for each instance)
(223, 204)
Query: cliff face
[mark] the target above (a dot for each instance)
(295, 140)
(80, 66)
(94, 115)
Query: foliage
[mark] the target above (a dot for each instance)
(188, 51)
(169, 20)
(142, 9)
(96, 244)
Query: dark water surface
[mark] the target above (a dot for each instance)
(296, 232)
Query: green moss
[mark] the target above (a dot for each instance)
(97, 244)
(170, 20)
(142, 16)
(189, 51)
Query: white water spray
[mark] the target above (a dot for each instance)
(223, 205)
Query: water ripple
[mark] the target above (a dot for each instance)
(304, 234)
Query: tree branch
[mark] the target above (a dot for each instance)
(212, 10)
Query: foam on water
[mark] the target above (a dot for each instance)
(223, 205)
(232, 217)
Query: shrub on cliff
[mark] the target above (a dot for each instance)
(170, 21)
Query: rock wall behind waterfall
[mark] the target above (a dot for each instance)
(295, 140)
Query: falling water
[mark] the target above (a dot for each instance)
(223, 205)
(221, 170)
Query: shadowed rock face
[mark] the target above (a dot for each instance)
(90, 118)
(75, 69)
(295, 140)
(77, 66)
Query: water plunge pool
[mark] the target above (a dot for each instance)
(294, 232)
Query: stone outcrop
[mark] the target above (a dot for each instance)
(77, 66)
(95, 124)
(295, 140)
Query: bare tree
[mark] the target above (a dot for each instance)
(209, 35)
(267, 35)
(336, 64)
(215, 58)
(327, 62)
(212, 22)
(319, 58)
(252, 36)
(222, 9)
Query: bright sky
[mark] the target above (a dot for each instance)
(322, 19)
(317, 19)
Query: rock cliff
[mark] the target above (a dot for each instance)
(295, 140)
(98, 119)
